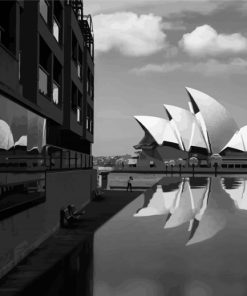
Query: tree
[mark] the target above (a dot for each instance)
(180, 163)
(193, 161)
(215, 160)
(172, 164)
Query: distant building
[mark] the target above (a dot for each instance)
(46, 119)
(206, 130)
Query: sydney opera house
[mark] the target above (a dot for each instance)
(206, 131)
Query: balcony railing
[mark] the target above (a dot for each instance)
(86, 24)
(43, 81)
(52, 158)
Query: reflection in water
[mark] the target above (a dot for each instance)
(184, 209)
(188, 203)
(199, 252)
(237, 190)
(160, 203)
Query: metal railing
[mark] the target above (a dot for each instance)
(51, 158)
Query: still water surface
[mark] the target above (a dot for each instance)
(184, 236)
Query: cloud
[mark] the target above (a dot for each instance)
(211, 67)
(129, 33)
(164, 7)
(205, 41)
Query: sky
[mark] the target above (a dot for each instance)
(148, 51)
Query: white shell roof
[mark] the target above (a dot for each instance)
(6, 136)
(159, 128)
(187, 126)
(239, 140)
(220, 126)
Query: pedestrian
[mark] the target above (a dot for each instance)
(129, 185)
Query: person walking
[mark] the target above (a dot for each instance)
(129, 185)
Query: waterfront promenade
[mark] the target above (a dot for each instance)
(63, 264)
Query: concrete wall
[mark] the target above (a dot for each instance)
(23, 232)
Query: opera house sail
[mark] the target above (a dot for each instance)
(205, 130)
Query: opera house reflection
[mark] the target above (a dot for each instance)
(237, 190)
(179, 233)
(189, 202)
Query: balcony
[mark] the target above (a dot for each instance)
(43, 81)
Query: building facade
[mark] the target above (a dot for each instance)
(46, 119)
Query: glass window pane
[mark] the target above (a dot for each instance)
(55, 95)
(43, 82)
(79, 70)
(56, 30)
(78, 114)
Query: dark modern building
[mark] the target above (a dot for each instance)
(46, 119)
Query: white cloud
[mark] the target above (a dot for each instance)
(205, 40)
(211, 67)
(129, 33)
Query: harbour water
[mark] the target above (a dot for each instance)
(184, 236)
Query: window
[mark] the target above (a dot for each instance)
(79, 105)
(56, 30)
(89, 119)
(57, 21)
(230, 166)
(22, 170)
(73, 97)
(44, 68)
(78, 114)
(79, 63)
(43, 82)
(88, 81)
(224, 165)
(8, 25)
(1, 34)
(57, 81)
(43, 8)
(237, 166)
(55, 94)
(244, 166)
(74, 48)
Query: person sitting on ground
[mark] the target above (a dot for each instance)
(129, 185)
